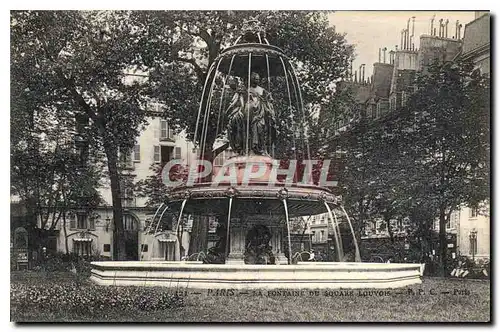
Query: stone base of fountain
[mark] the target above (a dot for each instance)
(304, 275)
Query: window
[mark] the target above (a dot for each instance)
(128, 193)
(473, 212)
(314, 236)
(81, 221)
(129, 222)
(165, 131)
(322, 235)
(177, 152)
(145, 248)
(219, 160)
(472, 244)
(125, 159)
(137, 152)
(156, 154)
(82, 248)
(106, 248)
(369, 112)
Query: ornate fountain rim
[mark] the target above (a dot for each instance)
(296, 191)
(254, 48)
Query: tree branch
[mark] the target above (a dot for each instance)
(205, 36)
(197, 69)
(69, 84)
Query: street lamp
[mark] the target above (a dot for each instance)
(473, 242)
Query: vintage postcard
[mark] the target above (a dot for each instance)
(250, 166)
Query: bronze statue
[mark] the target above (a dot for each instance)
(252, 107)
(257, 248)
(236, 127)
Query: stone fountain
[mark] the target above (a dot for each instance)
(255, 198)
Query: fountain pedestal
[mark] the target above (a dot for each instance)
(236, 245)
(237, 241)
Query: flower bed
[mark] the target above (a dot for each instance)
(90, 298)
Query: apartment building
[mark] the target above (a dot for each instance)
(92, 234)
(392, 83)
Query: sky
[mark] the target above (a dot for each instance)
(369, 31)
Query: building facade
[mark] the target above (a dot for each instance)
(390, 86)
(91, 233)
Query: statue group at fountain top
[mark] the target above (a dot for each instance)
(252, 125)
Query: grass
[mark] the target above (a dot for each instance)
(471, 305)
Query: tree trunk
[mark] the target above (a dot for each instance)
(199, 235)
(199, 232)
(442, 242)
(65, 233)
(119, 252)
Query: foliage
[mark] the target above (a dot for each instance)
(60, 262)
(46, 169)
(445, 133)
(74, 64)
(183, 45)
(90, 299)
(153, 188)
(424, 160)
(326, 307)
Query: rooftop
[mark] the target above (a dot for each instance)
(476, 35)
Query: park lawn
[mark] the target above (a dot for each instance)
(204, 307)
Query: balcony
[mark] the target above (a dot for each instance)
(167, 139)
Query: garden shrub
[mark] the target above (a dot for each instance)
(91, 298)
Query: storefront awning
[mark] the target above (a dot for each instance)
(166, 240)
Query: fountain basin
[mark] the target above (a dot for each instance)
(304, 275)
